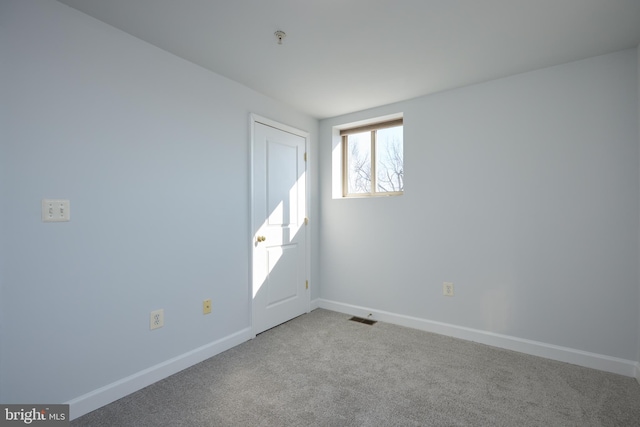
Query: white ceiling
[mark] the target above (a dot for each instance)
(341, 56)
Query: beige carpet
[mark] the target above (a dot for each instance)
(321, 369)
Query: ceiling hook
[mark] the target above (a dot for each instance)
(280, 35)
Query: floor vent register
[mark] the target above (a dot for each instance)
(362, 320)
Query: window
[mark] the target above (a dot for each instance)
(372, 160)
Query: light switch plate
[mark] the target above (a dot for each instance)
(56, 210)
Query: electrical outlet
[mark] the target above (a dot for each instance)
(447, 289)
(157, 319)
(206, 306)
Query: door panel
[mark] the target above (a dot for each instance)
(283, 277)
(282, 174)
(279, 206)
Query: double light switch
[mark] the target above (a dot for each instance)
(55, 210)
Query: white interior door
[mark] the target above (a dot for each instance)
(280, 291)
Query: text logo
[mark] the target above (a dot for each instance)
(34, 415)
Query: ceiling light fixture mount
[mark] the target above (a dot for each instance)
(280, 35)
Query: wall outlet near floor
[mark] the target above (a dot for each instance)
(157, 319)
(447, 289)
(206, 306)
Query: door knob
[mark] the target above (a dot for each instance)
(261, 239)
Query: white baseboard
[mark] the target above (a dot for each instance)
(314, 304)
(601, 362)
(116, 390)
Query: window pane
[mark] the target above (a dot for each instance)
(359, 162)
(389, 160)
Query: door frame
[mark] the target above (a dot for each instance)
(253, 119)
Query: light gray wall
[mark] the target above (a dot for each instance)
(153, 153)
(638, 107)
(522, 191)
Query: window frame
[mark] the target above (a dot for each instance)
(373, 128)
